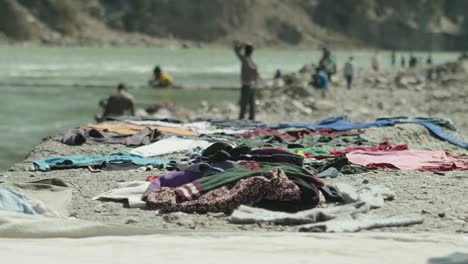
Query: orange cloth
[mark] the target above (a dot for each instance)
(130, 129)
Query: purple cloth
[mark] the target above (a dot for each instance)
(188, 175)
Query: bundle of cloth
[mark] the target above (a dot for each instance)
(224, 177)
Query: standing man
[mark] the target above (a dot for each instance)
(393, 58)
(349, 72)
(375, 62)
(249, 78)
(403, 61)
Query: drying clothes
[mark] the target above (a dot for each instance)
(295, 134)
(341, 123)
(345, 218)
(358, 222)
(222, 151)
(409, 160)
(142, 118)
(13, 201)
(80, 161)
(358, 201)
(47, 197)
(244, 169)
(93, 136)
(130, 129)
(384, 146)
(238, 124)
(312, 151)
(272, 185)
(193, 172)
(170, 145)
(128, 192)
(194, 126)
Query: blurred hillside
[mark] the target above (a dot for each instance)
(415, 24)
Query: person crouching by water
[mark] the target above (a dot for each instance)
(249, 78)
(161, 79)
(320, 81)
(120, 103)
(349, 71)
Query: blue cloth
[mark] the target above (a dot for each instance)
(322, 80)
(341, 123)
(13, 201)
(84, 161)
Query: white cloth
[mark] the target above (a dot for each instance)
(241, 247)
(202, 127)
(170, 145)
(130, 192)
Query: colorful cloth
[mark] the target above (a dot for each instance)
(295, 134)
(409, 160)
(272, 185)
(341, 123)
(311, 151)
(180, 177)
(79, 161)
(242, 169)
(130, 129)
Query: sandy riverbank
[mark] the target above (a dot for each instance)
(437, 196)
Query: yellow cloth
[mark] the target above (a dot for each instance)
(165, 79)
(130, 129)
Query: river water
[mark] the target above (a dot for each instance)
(45, 90)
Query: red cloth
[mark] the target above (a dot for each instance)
(384, 146)
(408, 160)
(152, 177)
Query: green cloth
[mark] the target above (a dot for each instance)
(242, 170)
(314, 151)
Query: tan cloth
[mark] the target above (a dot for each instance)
(130, 129)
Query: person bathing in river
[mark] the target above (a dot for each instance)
(249, 78)
(161, 79)
(120, 103)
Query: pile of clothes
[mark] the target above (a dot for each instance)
(254, 172)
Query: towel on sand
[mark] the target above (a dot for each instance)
(128, 192)
(346, 218)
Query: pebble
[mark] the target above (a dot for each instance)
(441, 215)
(131, 221)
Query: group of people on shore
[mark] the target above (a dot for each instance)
(121, 102)
(413, 61)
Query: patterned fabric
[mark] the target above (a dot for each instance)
(273, 185)
(242, 170)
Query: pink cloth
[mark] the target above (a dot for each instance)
(408, 160)
(383, 146)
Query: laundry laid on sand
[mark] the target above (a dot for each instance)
(248, 173)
